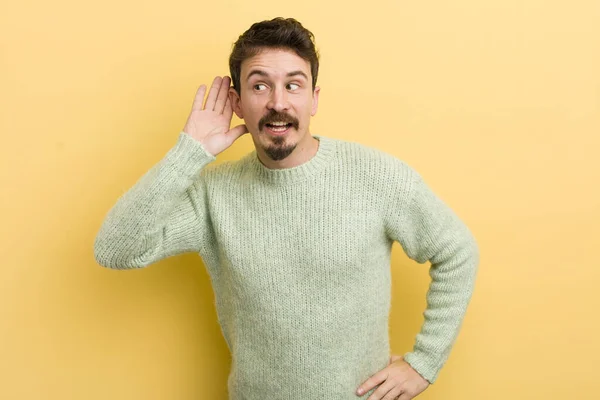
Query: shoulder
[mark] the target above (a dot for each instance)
(225, 172)
(376, 163)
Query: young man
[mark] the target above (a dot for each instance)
(296, 235)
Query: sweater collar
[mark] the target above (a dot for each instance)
(298, 173)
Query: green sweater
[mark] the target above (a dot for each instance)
(299, 259)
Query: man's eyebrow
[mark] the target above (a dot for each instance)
(265, 74)
(294, 73)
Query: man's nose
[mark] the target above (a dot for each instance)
(278, 100)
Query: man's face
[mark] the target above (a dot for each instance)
(276, 88)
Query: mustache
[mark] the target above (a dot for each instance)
(275, 116)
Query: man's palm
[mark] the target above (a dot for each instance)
(210, 124)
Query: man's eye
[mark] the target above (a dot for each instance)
(293, 86)
(257, 86)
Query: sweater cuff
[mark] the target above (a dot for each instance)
(426, 365)
(189, 155)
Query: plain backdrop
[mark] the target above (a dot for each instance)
(496, 103)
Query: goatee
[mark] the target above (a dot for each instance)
(279, 150)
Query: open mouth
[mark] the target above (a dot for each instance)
(279, 127)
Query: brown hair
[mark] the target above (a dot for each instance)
(278, 33)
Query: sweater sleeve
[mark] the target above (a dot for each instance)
(428, 230)
(162, 215)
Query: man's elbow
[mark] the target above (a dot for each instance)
(111, 257)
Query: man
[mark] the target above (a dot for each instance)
(296, 236)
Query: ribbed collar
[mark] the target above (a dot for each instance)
(296, 174)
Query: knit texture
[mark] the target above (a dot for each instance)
(299, 259)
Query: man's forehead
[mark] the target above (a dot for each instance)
(272, 62)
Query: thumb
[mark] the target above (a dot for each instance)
(394, 358)
(237, 131)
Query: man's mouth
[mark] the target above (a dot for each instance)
(279, 126)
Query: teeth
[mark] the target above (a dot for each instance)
(278, 123)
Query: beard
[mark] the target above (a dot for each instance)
(279, 150)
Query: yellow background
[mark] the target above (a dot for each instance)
(496, 103)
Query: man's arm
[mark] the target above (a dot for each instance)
(165, 212)
(428, 230)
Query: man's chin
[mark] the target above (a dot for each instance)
(279, 147)
(278, 153)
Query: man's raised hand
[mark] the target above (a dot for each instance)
(210, 124)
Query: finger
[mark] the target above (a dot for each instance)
(223, 94)
(197, 104)
(238, 131)
(228, 110)
(373, 381)
(393, 394)
(212, 94)
(384, 392)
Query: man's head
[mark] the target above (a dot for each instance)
(274, 67)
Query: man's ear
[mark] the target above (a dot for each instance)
(234, 99)
(315, 102)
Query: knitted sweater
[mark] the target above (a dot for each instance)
(299, 259)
